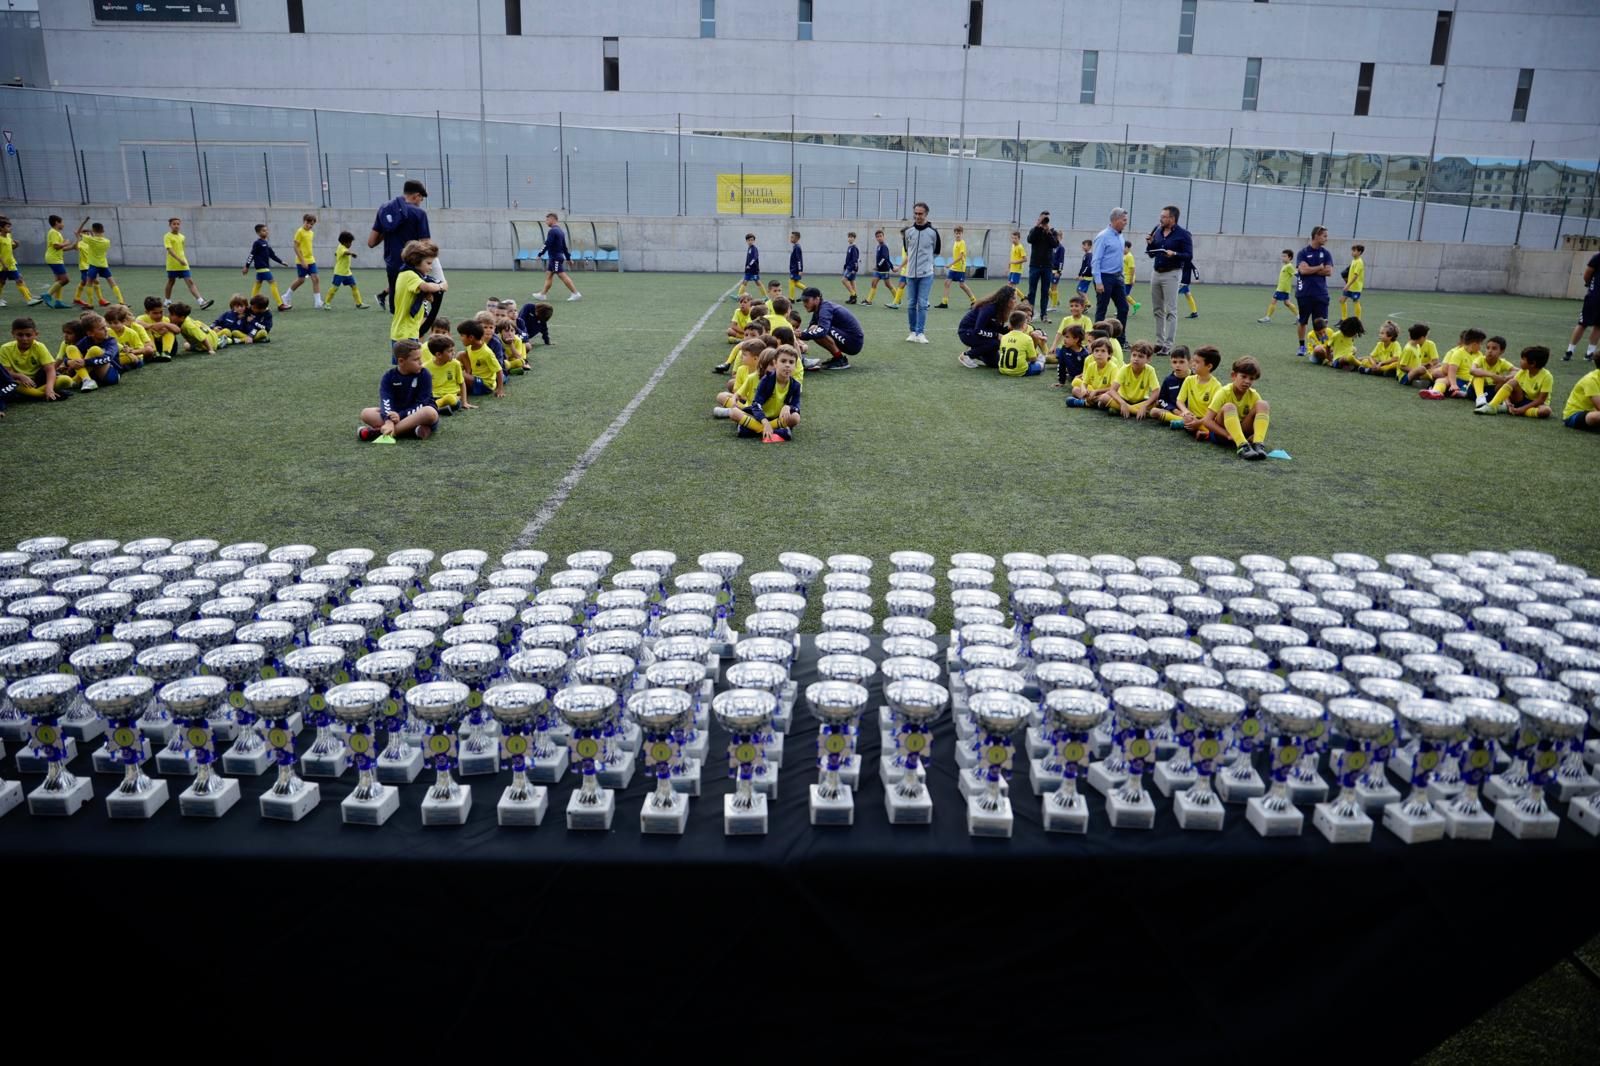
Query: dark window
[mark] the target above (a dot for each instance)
(975, 22)
(1186, 28)
(613, 74)
(1091, 69)
(513, 18)
(708, 18)
(297, 16)
(804, 31)
(1519, 104)
(1441, 39)
(1364, 89)
(1252, 84)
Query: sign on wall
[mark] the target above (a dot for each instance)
(755, 194)
(226, 11)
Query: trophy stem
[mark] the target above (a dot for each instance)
(1467, 803)
(367, 787)
(661, 798)
(589, 790)
(991, 791)
(744, 796)
(828, 787)
(56, 777)
(444, 786)
(203, 777)
(287, 783)
(133, 780)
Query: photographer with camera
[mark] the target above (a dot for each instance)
(1041, 243)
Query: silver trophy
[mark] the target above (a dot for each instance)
(745, 715)
(689, 677)
(1549, 729)
(1001, 718)
(396, 669)
(547, 668)
(916, 704)
(1434, 726)
(1209, 713)
(1139, 710)
(440, 705)
(474, 663)
(1240, 782)
(164, 663)
(588, 710)
(21, 658)
(837, 704)
(1364, 724)
(43, 700)
(726, 566)
(1071, 717)
(358, 706)
(196, 704)
(770, 673)
(1288, 719)
(517, 707)
(858, 670)
(619, 737)
(661, 715)
(1489, 725)
(240, 666)
(322, 666)
(96, 662)
(276, 702)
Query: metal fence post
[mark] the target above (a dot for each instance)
(324, 187)
(679, 174)
(202, 168)
(1527, 172)
(741, 188)
(1072, 218)
(205, 176)
(796, 200)
(266, 170)
(561, 155)
(1122, 179)
(1588, 207)
(327, 176)
(1466, 219)
(23, 181)
(438, 140)
(627, 189)
(1018, 168)
(388, 181)
(1244, 218)
(1554, 245)
(83, 172)
(145, 155)
(1327, 180)
(967, 211)
(1227, 165)
(905, 183)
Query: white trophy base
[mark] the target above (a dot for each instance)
(966, 755)
(1374, 800)
(976, 786)
(14, 730)
(175, 763)
(401, 771)
(325, 766)
(85, 730)
(10, 795)
(213, 804)
(480, 763)
(1525, 826)
(850, 772)
(61, 804)
(1059, 819)
(619, 774)
(370, 812)
(596, 816)
(1236, 789)
(701, 744)
(138, 804)
(1206, 817)
(1591, 750)
(294, 807)
(1570, 788)
(1399, 763)
(841, 810)
(1169, 782)
(1585, 811)
(670, 820)
(1444, 791)
(253, 765)
(1341, 829)
(452, 811)
(773, 749)
(104, 763)
(628, 739)
(155, 732)
(687, 781)
(752, 822)
(1410, 828)
(1105, 781)
(1270, 823)
(1042, 781)
(1458, 826)
(29, 760)
(1304, 792)
(1500, 790)
(987, 823)
(526, 812)
(908, 810)
(767, 783)
(1125, 815)
(1038, 745)
(891, 774)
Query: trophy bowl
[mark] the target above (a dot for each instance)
(766, 650)
(595, 561)
(758, 675)
(1058, 676)
(986, 657)
(660, 711)
(920, 647)
(805, 568)
(614, 672)
(909, 603)
(585, 706)
(981, 635)
(106, 609)
(682, 649)
(546, 667)
(389, 668)
(357, 702)
(629, 619)
(550, 636)
(911, 668)
(277, 698)
(124, 697)
(778, 624)
(517, 704)
(525, 559)
(839, 642)
(744, 712)
(856, 669)
(190, 698)
(902, 626)
(685, 675)
(972, 561)
(915, 562)
(97, 662)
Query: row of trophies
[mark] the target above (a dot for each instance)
(1441, 670)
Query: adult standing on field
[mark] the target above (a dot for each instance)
(1041, 247)
(1106, 266)
(1313, 267)
(1170, 245)
(399, 222)
(922, 247)
(556, 256)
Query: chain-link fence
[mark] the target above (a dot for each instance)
(68, 147)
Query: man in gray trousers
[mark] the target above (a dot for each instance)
(1172, 249)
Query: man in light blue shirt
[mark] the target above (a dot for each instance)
(1107, 266)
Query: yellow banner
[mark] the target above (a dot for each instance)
(755, 194)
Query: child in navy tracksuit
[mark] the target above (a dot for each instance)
(534, 321)
(405, 399)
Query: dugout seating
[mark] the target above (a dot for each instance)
(593, 244)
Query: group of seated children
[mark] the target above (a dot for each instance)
(762, 399)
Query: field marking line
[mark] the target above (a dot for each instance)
(552, 503)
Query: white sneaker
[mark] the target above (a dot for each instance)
(537, 296)
(168, 303)
(968, 362)
(1264, 319)
(575, 297)
(4, 304)
(89, 385)
(922, 338)
(720, 412)
(911, 338)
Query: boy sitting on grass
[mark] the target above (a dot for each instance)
(449, 379)
(1137, 387)
(1527, 394)
(1099, 376)
(1199, 391)
(1238, 414)
(774, 412)
(1583, 402)
(405, 399)
(1490, 368)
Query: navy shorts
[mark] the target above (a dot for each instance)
(557, 266)
(881, 275)
(1590, 314)
(58, 270)
(752, 277)
(849, 275)
(10, 275)
(1580, 421)
(957, 275)
(307, 270)
(263, 275)
(1312, 307)
(99, 272)
(344, 279)
(174, 275)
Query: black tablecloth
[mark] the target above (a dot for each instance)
(920, 938)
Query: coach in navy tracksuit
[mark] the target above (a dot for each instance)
(832, 328)
(556, 256)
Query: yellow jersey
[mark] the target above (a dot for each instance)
(1127, 268)
(1196, 395)
(775, 402)
(1019, 255)
(92, 249)
(1580, 401)
(1135, 385)
(958, 256)
(30, 361)
(1343, 348)
(55, 246)
(745, 380)
(1536, 384)
(1286, 279)
(905, 261)
(1096, 376)
(1415, 354)
(1083, 322)
(1243, 404)
(304, 254)
(8, 252)
(1498, 368)
(1459, 358)
(1017, 353)
(1322, 338)
(741, 319)
(342, 254)
(448, 378)
(131, 339)
(176, 259)
(195, 331)
(1384, 353)
(484, 365)
(774, 320)
(1116, 352)
(406, 325)
(1358, 276)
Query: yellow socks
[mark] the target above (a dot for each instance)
(1194, 308)
(1357, 307)
(740, 418)
(1502, 396)
(117, 292)
(277, 298)
(1258, 432)
(356, 292)
(22, 287)
(1480, 386)
(1230, 419)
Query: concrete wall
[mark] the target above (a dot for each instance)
(482, 239)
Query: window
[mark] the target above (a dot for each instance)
(297, 16)
(1091, 68)
(513, 18)
(708, 18)
(1441, 39)
(1519, 104)
(975, 23)
(1364, 89)
(613, 74)
(1252, 84)
(805, 21)
(1186, 28)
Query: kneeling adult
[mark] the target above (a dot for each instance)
(983, 325)
(833, 329)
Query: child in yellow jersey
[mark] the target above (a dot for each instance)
(133, 343)
(1280, 295)
(1453, 375)
(957, 271)
(900, 283)
(1385, 355)
(172, 243)
(344, 275)
(1079, 306)
(1199, 390)
(1319, 342)
(778, 316)
(484, 375)
(195, 333)
(741, 319)
(1019, 256)
(511, 344)
(71, 369)
(1019, 357)
(412, 289)
(28, 365)
(163, 334)
(449, 378)
(305, 262)
(1237, 414)
(1098, 378)
(1355, 281)
(94, 247)
(1112, 330)
(8, 265)
(1418, 358)
(1490, 369)
(1137, 386)
(1342, 344)
(1128, 270)
(754, 359)
(1528, 393)
(56, 246)
(774, 411)
(1583, 402)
